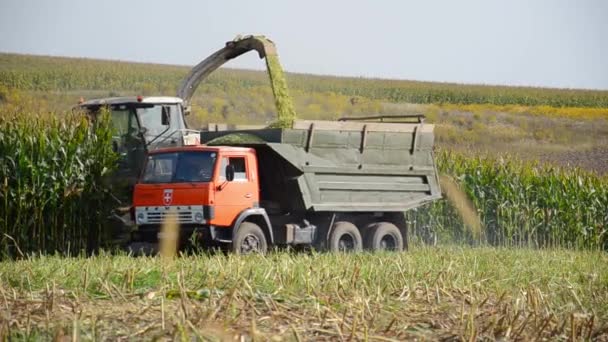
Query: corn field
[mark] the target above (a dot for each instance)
(520, 204)
(53, 195)
(40, 73)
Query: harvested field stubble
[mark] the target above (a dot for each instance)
(426, 293)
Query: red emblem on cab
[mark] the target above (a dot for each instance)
(168, 196)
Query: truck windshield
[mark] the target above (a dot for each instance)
(179, 167)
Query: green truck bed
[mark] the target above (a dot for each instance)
(343, 166)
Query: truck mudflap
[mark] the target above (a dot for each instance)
(257, 216)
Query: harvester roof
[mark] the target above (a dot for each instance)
(132, 99)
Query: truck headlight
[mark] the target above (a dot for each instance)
(198, 217)
(141, 218)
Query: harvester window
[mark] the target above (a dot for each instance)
(125, 126)
(151, 119)
(123, 121)
(240, 170)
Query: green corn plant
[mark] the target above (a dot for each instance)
(521, 204)
(54, 197)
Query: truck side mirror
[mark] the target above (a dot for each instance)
(165, 118)
(229, 173)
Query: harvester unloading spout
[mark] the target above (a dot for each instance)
(234, 48)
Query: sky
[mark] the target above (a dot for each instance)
(551, 43)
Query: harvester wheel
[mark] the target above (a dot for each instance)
(249, 239)
(384, 236)
(345, 237)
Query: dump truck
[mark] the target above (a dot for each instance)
(332, 185)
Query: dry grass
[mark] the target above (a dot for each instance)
(576, 113)
(439, 293)
(560, 136)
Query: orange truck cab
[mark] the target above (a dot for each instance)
(209, 190)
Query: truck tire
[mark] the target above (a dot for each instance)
(384, 236)
(249, 239)
(345, 237)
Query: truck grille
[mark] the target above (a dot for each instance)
(183, 214)
(180, 216)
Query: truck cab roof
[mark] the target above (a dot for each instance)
(132, 99)
(194, 148)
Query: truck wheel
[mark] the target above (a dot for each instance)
(345, 237)
(249, 238)
(384, 236)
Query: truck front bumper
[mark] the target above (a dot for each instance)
(153, 232)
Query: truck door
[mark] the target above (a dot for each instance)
(231, 198)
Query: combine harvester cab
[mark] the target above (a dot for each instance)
(141, 124)
(333, 185)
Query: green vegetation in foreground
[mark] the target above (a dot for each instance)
(42, 73)
(427, 293)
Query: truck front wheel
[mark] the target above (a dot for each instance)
(345, 237)
(249, 238)
(384, 236)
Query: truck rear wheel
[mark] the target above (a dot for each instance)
(249, 239)
(384, 236)
(345, 237)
